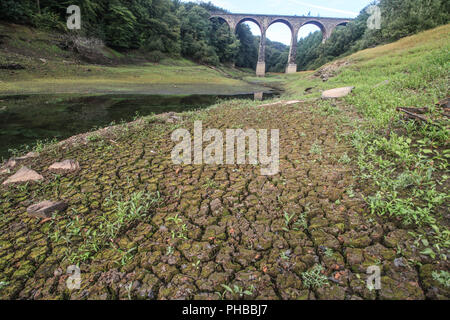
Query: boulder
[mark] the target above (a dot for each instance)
(24, 175)
(46, 208)
(65, 166)
(8, 166)
(337, 93)
(28, 156)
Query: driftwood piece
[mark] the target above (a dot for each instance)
(416, 115)
(444, 103)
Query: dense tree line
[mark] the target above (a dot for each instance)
(160, 27)
(174, 28)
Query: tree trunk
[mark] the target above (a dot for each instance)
(38, 6)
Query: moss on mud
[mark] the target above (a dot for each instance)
(213, 224)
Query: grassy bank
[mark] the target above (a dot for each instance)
(404, 162)
(45, 67)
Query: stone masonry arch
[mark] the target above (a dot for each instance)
(319, 25)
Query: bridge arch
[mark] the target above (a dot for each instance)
(320, 25)
(343, 24)
(250, 19)
(220, 19)
(283, 21)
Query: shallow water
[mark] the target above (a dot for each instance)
(26, 119)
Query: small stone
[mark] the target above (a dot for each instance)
(10, 164)
(46, 208)
(398, 262)
(337, 93)
(66, 166)
(288, 103)
(28, 155)
(173, 118)
(24, 175)
(215, 205)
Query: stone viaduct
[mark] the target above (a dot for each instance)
(327, 25)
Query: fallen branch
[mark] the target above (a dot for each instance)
(413, 115)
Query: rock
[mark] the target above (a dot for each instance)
(173, 118)
(46, 208)
(398, 262)
(337, 93)
(215, 205)
(43, 60)
(28, 155)
(10, 164)
(288, 103)
(24, 175)
(65, 166)
(170, 117)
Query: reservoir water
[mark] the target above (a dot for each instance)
(26, 119)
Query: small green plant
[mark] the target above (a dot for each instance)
(196, 265)
(329, 252)
(169, 251)
(211, 184)
(287, 220)
(443, 277)
(93, 137)
(127, 256)
(350, 192)
(345, 159)
(284, 255)
(301, 223)
(313, 278)
(237, 291)
(180, 229)
(3, 284)
(316, 149)
(175, 219)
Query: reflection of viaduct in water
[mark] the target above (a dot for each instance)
(327, 25)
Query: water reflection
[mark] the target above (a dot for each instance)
(25, 119)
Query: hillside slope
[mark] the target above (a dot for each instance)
(35, 61)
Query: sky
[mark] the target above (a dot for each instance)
(279, 31)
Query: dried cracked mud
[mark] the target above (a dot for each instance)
(214, 225)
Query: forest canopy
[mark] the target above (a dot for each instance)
(174, 28)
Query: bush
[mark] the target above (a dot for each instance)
(16, 11)
(155, 56)
(48, 21)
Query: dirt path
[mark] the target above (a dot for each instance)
(209, 225)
